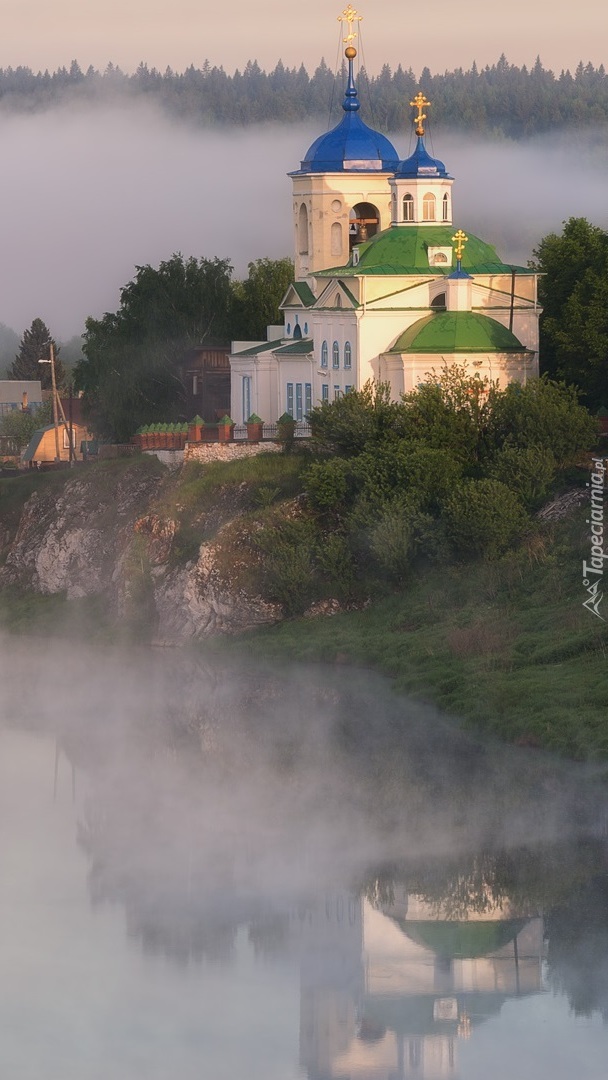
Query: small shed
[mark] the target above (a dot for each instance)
(42, 448)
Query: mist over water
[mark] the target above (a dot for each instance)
(90, 192)
(201, 856)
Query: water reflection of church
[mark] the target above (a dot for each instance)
(389, 993)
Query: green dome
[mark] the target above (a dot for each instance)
(457, 331)
(405, 250)
(463, 940)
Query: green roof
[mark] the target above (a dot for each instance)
(35, 441)
(253, 350)
(457, 331)
(462, 940)
(305, 292)
(296, 348)
(404, 250)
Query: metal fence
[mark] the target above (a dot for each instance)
(271, 431)
(9, 447)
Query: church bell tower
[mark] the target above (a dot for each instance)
(341, 193)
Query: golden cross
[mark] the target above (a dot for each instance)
(419, 103)
(460, 240)
(350, 16)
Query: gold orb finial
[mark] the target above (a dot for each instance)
(349, 15)
(350, 53)
(460, 239)
(419, 103)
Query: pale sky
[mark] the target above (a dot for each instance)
(442, 34)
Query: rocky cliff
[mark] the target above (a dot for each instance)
(103, 532)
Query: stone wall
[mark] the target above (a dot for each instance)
(227, 451)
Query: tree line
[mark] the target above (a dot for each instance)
(501, 99)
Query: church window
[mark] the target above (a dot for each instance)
(299, 402)
(428, 207)
(335, 355)
(307, 398)
(347, 389)
(303, 230)
(348, 355)
(288, 329)
(336, 238)
(324, 354)
(446, 208)
(336, 393)
(290, 398)
(338, 300)
(440, 257)
(297, 333)
(325, 392)
(408, 207)
(305, 327)
(438, 301)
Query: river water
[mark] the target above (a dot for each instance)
(213, 871)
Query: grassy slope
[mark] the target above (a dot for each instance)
(506, 646)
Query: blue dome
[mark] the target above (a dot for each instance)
(421, 164)
(352, 146)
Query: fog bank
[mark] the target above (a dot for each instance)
(90, 192)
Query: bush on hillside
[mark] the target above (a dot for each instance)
(483, 517)
(355, 420)
(528, 471)
(542, 414)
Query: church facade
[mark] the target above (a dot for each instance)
(385, 288)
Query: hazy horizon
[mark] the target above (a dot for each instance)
(93, 190)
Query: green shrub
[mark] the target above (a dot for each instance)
(542, 414)
(337, 564)
(528, 471)
(483, 517)
(289, 566)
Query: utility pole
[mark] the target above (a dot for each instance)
(57, 406)
(55, 410)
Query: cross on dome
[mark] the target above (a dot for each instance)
(460, 240)
(419, 102)
(349, 15)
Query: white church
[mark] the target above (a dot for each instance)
(385, 288)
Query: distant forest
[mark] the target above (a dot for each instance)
(501, 100)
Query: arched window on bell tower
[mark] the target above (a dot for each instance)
(408, 207)
(363, 223)
(446, 207)
(303, 230)
(428, 207)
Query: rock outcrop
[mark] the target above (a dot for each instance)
(109, 539)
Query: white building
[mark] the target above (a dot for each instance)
(380, 291)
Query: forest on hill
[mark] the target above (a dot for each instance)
(501, 100)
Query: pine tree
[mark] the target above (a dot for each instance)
(34, 346)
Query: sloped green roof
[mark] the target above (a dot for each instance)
(457, 331)
(296, 348)
(35, 441)
(404, 250)
(305, 292)
(253, 350)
